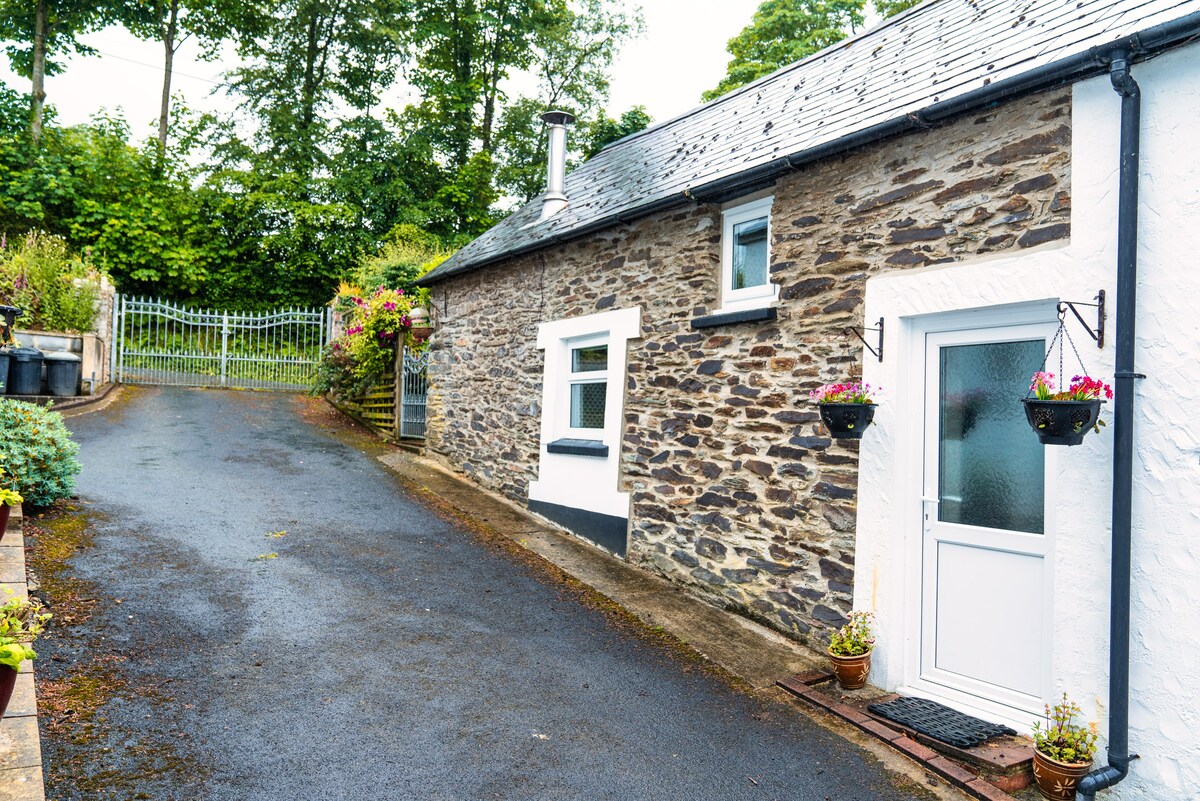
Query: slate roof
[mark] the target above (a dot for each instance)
(937, 55)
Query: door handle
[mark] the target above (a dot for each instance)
(926, 519)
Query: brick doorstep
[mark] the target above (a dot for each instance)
(985, 772)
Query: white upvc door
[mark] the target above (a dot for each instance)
(987, 526)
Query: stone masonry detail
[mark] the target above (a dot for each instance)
(738, 492)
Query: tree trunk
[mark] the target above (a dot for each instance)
(168, 39)
(39, 70)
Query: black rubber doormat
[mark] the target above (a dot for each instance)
(939, 722)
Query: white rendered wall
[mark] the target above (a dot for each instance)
(584, 482)
(1165, 655)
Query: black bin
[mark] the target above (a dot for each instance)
(25, 371)
(4, 369)
(63, 371)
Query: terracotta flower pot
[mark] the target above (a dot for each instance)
(851, 671)
(1058, 780)
(5, 511)
(8, 680)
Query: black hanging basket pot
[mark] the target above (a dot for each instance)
(1062, 422)
(847, 420)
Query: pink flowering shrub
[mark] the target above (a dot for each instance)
(843, 393)
(377, 324)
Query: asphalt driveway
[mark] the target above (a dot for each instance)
(312, 632)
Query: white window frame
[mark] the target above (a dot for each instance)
(586, 377)
(754, 297)
(589, 482)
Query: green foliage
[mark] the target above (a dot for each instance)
(1062, 739)
(37, 453)
(572, 57)
(605, 130)
(67, 20)
(407, 253)
(376, 324)
(783, 32)
(21, 622)
(854, 638)
(55, 289)
(303, 188)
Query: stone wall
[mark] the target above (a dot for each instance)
(737, 492)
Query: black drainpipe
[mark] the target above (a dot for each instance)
(1122, 512)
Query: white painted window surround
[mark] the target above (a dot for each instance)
(735, 221)
(583, 482)
(1166, 490)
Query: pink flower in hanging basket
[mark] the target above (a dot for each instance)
(843, 393)
(1082, 388)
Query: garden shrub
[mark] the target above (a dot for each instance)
(376, 325)
(56, 290)
(36, 453)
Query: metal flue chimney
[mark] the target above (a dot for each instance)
(556, 169)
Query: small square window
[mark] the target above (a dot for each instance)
(746, 256)
(588, 383)
(750, 254)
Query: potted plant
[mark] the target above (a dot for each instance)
(846, 409)
(8, 499)
(1063, 750)
(1064, 417)
(421, 329)
(21, 622)
(850, 651)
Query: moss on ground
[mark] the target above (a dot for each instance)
(88, 754)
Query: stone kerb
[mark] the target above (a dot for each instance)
(20, 746)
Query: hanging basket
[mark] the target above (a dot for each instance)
(847, 420)
(1062, 422)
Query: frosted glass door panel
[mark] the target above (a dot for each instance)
(991, 470)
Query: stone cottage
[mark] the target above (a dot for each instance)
(631, 355)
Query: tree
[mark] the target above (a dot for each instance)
(173, 22)
(570, 53)
(38, 31)
(310, 57)
(604, 131)
(783, 32)
(464, 49)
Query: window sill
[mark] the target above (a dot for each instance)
(578, 447)
(733, 317)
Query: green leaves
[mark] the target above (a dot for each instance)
(785, 31)
(21, 622)
(55, 290)
(39, 455)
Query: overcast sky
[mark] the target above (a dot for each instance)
(681, 54)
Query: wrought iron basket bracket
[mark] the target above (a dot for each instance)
(858, 331)
(1098, 333)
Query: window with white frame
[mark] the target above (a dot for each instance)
(745, 255)
(587, 380)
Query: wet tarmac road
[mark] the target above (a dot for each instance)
(381, 653)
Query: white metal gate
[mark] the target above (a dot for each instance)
(414, 382)
(161, 343)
